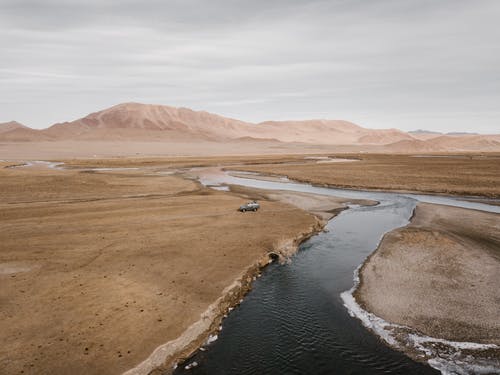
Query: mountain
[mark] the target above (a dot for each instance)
(423, 131)
(413, 146)
(11, 125)
(334, 132)
(424, 135)
(24, 135)
(133, 122)
(14, 131)
(467, 142)
(150, 122)
(461, 133)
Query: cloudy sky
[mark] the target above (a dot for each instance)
(410, 64)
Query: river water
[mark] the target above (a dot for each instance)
(297, 319)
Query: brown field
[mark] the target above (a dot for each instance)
(98, 269)
(461, 175)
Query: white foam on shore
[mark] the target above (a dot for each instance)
(369, 320)
(458, 367)
(211, 339)
(448, 359)
(419, 340)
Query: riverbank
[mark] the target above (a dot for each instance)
(166, 356)
(439, 277)
(322, 207)
(102, 268)
(325, 207)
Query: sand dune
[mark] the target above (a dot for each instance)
(146, 122)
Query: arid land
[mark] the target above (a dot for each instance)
(102, 267)
(460, 174)
(45, 150)
(99, 268)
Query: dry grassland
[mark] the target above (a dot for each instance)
(98, 269)
(460, 175)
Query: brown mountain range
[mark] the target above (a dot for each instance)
(11, 125)
(145, 122)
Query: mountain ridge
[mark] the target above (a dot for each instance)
(152, 122)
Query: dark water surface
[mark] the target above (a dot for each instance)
(294, 320)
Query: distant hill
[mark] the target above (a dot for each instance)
(24, 135)
(467, 142)
(461, 133)
(422, 131)
(131, 122)
(424, 135)
(14, 131)
(11, 125)
(148, 122)
(136, 121)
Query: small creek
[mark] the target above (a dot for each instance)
(296, 319)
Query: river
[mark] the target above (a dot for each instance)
(298, 317)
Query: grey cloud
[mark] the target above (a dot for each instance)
(388, 63)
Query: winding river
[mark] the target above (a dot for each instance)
(297, 319)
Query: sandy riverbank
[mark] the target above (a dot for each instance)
(439, 276)
(324, 207)
(100, 269)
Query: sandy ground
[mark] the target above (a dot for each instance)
(461, 175)
(98, 269)
(438, 275)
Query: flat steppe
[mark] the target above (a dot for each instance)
(99, 268)
(126, 148)
(461, 174)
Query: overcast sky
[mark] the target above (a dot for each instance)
(409, 64)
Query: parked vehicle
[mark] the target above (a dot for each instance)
(250, 206)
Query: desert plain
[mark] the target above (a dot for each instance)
(100, 266)
(115, 259)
